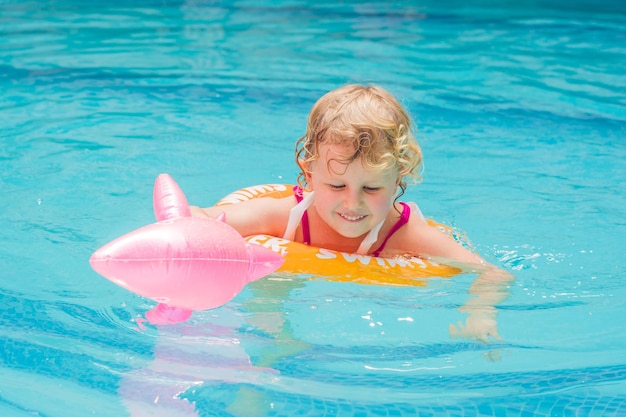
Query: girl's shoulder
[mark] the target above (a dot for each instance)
(417, 237)
(425, 238)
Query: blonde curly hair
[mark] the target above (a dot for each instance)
(369, 120)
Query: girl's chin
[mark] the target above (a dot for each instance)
(351, 229)
(351, 233)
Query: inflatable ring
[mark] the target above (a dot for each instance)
(335, 265)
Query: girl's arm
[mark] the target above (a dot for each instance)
(258, 216)
(489, 289)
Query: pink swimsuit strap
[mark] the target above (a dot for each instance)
(306, 235)
(404, 219)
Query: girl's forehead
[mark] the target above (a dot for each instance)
(338, 151)
(336, 159)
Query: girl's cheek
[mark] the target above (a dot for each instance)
(381, 203)
(323, 198)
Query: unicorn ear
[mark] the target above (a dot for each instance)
(221, 217)
(168, 200)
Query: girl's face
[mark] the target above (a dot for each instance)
(350, 198)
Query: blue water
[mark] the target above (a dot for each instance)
(521, 108)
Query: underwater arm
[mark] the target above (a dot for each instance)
(490, 288)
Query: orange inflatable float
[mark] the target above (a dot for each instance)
(339, 266)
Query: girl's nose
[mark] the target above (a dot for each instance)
(352, 199)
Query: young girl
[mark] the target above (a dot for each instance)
(356, 159)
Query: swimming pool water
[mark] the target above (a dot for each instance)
(521, 109)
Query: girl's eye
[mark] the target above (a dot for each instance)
(371, 189)
(336, 187)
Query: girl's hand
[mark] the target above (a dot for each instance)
(480, 326)
(490, 288)
(197, 212)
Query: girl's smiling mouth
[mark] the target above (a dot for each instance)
(352, 217)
